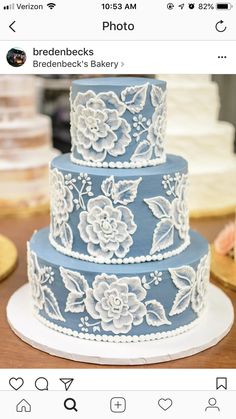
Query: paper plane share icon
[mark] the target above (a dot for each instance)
(67, 382)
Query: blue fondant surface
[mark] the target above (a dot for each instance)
(40, 244)
(173, 163)
(150, 185)
(113, 83)
(163, 292)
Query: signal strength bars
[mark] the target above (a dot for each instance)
(12, 6)
(9, 7)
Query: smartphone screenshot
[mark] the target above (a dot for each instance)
(117, 209)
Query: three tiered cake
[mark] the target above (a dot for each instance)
(118, 263)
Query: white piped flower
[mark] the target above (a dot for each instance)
(117, 302)
(97, 128)
(106, 230)
(35, 279)
(61, 201)
(201, 286)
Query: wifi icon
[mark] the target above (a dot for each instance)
(51, 5)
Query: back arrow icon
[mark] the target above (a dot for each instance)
(219, 26)
(11, 26)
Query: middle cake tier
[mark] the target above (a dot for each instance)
(119, 215)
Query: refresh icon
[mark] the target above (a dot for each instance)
(220, 26)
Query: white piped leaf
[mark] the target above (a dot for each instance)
(159, 206)
(182, 301)
(156, 95)
(143, 152)
(156, 315)
(163, 236)
(74, 304)
(135, 97)
(51, 305)
(74, 282)
(66, 236)
(107, 186)
(183, 277)
(125, 191)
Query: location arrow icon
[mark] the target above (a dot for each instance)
(67, 382)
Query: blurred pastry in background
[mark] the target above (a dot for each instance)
(225, 242)
(25, 146)
(223, 256)
(196, 133)
(18, 97)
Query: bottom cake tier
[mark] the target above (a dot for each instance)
(118, 303)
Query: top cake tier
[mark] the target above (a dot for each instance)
(118, 122)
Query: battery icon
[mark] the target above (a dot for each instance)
(224, 6)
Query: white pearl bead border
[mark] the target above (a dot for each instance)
(118, 338)
(119, 164)
(115, 261)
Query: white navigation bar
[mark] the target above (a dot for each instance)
(118, 20)
(102, 379)
(101, 393)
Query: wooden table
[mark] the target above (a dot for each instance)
(16, 354)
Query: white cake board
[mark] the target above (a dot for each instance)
(215, 324)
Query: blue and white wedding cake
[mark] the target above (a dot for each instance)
(118, 262)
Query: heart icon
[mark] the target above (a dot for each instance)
(165, 404)
(16, 383)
